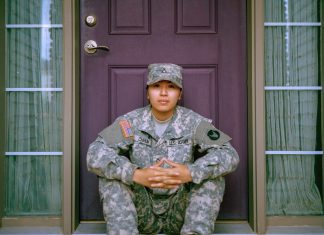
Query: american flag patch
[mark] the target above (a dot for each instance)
(126, 128)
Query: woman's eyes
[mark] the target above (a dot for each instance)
(169, 86)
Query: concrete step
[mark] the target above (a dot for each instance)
(220, 229)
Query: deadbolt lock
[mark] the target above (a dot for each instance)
(91, 20)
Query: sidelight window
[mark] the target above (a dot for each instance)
(293, 89)
(33, 107)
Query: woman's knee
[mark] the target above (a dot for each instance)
(210, 187)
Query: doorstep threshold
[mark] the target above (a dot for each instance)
(89, 228)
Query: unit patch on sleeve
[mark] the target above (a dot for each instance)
(206, 134)
(126, 128)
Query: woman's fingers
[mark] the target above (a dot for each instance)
(171, 163)
(164, 186)
(164, 182)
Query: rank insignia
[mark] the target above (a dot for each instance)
(126, 128)
(213, 134)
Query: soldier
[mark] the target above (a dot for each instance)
(161, 167)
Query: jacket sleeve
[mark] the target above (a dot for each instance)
(219, 158)
(105, 159)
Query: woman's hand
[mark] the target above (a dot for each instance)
(159, 177)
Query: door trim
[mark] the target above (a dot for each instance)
(71, 31)
(71, 77)
(256, 123)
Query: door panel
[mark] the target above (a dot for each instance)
(196, 17)
(124, 22)
(201, 91)
(127, 90)
(206, 37)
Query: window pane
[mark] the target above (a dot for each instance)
(293, 120)
(35, 57)
(34, 11)
(292, 56)
(33, 185)
(292, 186)
(292, 11)
(34, 121)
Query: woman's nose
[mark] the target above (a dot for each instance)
(164, 91)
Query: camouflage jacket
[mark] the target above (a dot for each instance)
(131, 143)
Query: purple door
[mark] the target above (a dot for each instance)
(206, 37)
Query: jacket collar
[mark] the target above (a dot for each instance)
(174, 129)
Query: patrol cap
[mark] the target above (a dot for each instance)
(161, 71)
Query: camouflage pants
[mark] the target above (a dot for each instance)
(132, 209)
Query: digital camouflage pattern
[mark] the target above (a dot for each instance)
(130, 208)
(169, 72)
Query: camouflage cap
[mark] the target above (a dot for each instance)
(168, 72)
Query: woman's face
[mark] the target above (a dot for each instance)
(163, 97)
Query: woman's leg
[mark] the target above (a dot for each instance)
(127, 209)
(203, 208)
(118, 207)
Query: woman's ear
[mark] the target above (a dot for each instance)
(180, 95)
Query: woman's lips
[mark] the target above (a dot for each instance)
(163, 102)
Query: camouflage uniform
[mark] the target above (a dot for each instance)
(131, 143)
(114, 158)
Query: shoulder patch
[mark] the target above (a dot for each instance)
(207, 134)
(126, 128)
(213, 134)
(117, 132)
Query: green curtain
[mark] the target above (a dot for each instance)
(34, 119)
(292, 117)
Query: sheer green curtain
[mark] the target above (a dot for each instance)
(292, 116)
(34, 118)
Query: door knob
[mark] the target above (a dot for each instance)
(91, 47)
